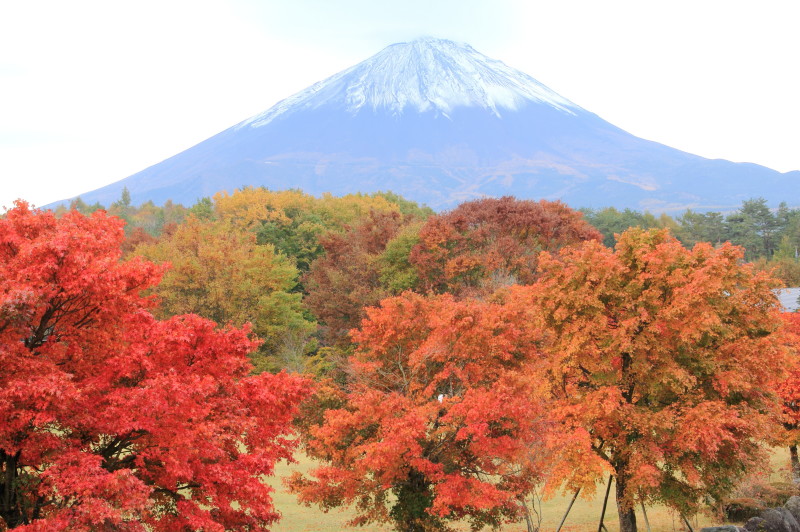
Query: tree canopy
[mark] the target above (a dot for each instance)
(111, 418)
(788, 389)
(349, 276)
(663, 360)
(485, 244)
(218, 271)
(438, 423)
(462, 358)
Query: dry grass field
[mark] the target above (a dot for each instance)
(584, 516)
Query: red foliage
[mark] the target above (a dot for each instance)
(111, 419)
(346, 279)
(441, 411)
(136, 238)
(488, 243)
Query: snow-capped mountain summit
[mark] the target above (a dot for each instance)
(425, 75)
(440, 123)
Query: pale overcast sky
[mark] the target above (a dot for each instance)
(94, 91)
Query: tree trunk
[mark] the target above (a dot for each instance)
(414, 498)
(795, 464)
(627, 516)
(9, 509)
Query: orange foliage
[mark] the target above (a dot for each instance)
(441, 412)
(789, 388)
(485, 244)
(663, 359)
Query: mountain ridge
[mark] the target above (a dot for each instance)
(440, 123)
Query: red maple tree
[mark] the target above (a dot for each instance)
(111, 419)
(439, 421)
(346, 279)
(485, 244)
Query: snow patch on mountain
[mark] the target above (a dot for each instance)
(425, 75)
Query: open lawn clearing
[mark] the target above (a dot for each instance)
(584, 516)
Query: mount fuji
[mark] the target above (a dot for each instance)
(440, 123)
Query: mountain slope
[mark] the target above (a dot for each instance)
(440, 123)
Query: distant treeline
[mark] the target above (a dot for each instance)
(771, 237)
(763, 232)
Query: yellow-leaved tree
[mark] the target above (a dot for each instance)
(218, 271)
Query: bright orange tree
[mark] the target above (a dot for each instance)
(789, 390)
(662, 363)
(439, 422)
(111, 419)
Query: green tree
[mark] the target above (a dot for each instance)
(787, 249)
(611, 222)
(219, 272)
(397, 273)
(789, 223)
(203, 209)
(82, 207)
(122, 207)
(761, 226)
(702, 227)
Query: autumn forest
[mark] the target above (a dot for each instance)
(439, 369)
